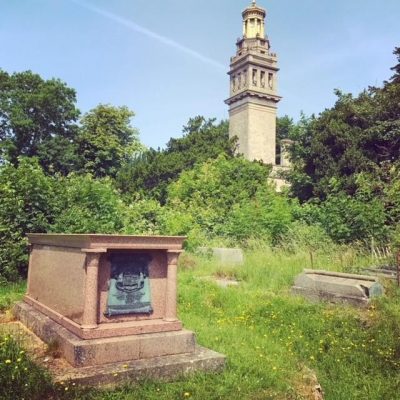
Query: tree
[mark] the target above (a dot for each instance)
(226, 197)
(37, 118)
(151, 172)
(396, 77)
(29, 202)
(359, 134)
(107, 140)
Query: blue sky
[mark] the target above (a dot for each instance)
(167, 59)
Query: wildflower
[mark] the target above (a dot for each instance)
(125, 366)
(8, 361)
(66, 388)
(186, 394)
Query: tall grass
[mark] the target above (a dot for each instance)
(278, 346)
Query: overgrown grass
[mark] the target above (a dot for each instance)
(10, 293)
(275, 343)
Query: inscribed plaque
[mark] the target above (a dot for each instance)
(129, 286)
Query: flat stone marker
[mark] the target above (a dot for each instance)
(337, 287)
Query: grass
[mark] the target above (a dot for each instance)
(278, 346)
(9, 294)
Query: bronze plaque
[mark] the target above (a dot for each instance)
(129, 285)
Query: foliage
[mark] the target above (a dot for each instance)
(150, 173)
(28, 204)
(358, 135)
(34, 202)
(267, 216)
(227, 197)
(396, 77)
(38, 118)
(88, 205)
(143, 216)
(20, 378)
(349, 218)
(106, 140)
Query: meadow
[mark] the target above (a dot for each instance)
(277, 346)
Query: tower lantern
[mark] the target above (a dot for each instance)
(253, 90)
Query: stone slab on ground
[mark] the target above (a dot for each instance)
(226, 256)
(337, 287)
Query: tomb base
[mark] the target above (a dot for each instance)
(144, 354)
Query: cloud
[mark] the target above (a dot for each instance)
(153, 35)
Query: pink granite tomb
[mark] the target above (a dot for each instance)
(68, 298)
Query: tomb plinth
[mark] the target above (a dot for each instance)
(107, 298)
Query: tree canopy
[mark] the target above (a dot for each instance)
(359, 134)
(38, 118)
(107, 140)
(150, 173)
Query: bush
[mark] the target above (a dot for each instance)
(266, 217)
(89, 206)
(224, 197)
(28, 204)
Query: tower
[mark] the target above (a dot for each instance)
(253, 90)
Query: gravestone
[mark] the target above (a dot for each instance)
(224, 255)
(110, 299)
(337, 287)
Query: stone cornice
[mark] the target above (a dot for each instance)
(250, 93)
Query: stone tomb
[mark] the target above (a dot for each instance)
(337, 287)
(109, 299)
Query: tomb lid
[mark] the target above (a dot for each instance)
(102, 241)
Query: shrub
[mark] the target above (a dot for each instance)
(89, 206)
(28, 204)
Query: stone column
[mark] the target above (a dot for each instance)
(172, 274)
(285, 145)
(90, 309)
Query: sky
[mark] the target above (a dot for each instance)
(167, 60)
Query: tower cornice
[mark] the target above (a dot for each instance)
(255, 94)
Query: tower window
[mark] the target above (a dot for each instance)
(233, 83)
(245, 78)
(271, 80)
(239, 81)
(254, 77)
(262, 79)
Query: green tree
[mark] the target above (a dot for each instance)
(38, 118)
(88, 205)
(396, 77)
(150, 173)
(107, 140)
(29, 202)
(358, 135)
(227, 197)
